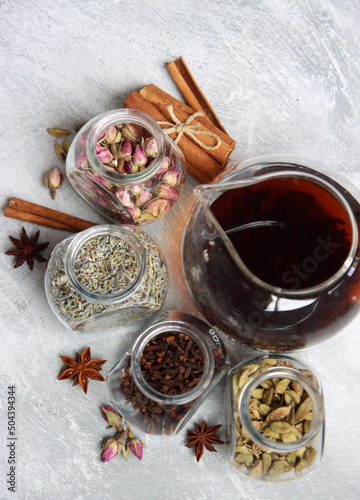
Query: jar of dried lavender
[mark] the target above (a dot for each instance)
(108, 276)
(123, 164)
(275, 418)
(171, 368)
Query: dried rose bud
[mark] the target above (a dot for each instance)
(144, 197)
(111, 134)
(150, 147)
(167, 192)
(136, 189)
(123, 195)
(100, 180)
(135, 445)
(112, 447)
(154, 210)
(172, 176)
(111, 416)
(109, 450)
(104, 154)
(53, 180)
(134, 212)
(82, 161)
(130, 132)
(163, 167)
(126, 150)
(139, 158)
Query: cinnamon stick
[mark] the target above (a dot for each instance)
(190, 90)
(35, 219)
(31, 212)
(200, 164)
(161, 101)
(154, 93)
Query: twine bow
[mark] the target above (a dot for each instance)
(181, 128)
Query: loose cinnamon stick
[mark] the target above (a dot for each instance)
(160, 100)
(31, 212)
(190, 90)
(35, 219)
(200, 164)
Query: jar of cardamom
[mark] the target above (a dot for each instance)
(160, 382)
(275, 418)
(126, 167)
(105, 277)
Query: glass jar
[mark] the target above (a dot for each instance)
(123, 165)
(107, 276)
(271, 253)
(275, 418)
(158, 393)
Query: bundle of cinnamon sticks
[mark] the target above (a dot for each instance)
(208, 147)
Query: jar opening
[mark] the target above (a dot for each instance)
(105, 264)
(292, 234)
(270, 437)
(172, 364)
(135, 126)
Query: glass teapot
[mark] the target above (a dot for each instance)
(270, 253)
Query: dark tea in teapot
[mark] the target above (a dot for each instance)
(289, 232)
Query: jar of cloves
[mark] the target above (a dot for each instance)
(275, 418)
(108, 276)
(171, 368)
(125, 166)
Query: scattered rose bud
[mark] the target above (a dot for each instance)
(103, 154)
(167, 192)
(139, 158)
(109, 450)
(125, 151)
(111, 416)
(53, 180)
(113, 446)
(135, 445)
(123, 195)
(150, 147)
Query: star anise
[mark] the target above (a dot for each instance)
(203, 437)
(82, 369)
(27, 250)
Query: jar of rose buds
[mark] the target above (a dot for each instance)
(162, 380)
(108, 276)
(123, 164)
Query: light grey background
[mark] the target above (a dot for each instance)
(283, 76)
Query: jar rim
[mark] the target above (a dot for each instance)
(286, 164)
(313, 392)
(169, 327)
(120, 232)
(131, 116)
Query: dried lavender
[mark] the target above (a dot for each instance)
(76, 311)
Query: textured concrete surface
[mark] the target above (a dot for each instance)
(283, 76)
